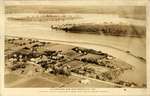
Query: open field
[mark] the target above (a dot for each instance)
(9, 78)
(46, 64)
(37, 82)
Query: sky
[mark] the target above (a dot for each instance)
(76, 2)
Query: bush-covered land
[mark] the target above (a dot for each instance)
(111, 29)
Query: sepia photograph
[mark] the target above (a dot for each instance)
(74, 44)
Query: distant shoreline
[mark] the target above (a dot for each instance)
(139, 12)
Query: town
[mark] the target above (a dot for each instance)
(66, 60)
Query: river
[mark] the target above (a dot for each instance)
(108, 44)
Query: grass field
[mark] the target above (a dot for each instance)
(37, 82)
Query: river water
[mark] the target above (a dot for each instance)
(108, 44)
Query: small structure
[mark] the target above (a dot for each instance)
(84, 81)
